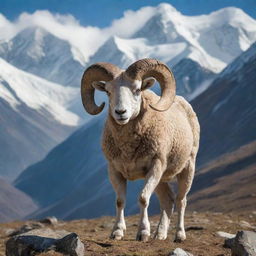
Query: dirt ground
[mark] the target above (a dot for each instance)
(201, 235)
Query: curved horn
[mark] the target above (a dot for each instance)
(144, 68)
(97, 72)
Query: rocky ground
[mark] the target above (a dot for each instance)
(201, 234)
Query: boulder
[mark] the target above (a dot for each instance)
(180, 252)
(244, 244)
(25, 228)
(43, 240)
(49, 220)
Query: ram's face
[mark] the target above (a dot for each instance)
(124, 97)
(124, 87)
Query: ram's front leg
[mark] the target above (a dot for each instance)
(119, 184)
(152, 179)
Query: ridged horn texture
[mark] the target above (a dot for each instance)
(97, 72)
(144, 68)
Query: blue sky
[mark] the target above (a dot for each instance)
(102, 12)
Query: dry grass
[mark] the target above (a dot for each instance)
(94, 234)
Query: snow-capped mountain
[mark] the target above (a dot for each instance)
(191, 78)
(34, 118)
(189, 74)
(212, 40)
(20, 87)
(41, 53)
(204, 44)
(226, 111)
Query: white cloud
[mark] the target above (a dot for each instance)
(7, 30)
(85, 40)
(131, 22)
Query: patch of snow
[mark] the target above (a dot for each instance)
(140, 48)
(204, 32)
(37, 93)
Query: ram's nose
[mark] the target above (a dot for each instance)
(120, 111)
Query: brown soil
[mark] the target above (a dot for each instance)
(94, 234)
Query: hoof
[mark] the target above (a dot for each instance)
(117, 235)
(143, 236)
(180, 237)
(160, 237)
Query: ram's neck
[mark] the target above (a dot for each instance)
(126, 141)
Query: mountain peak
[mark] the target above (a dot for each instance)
(240, 60)
(166, 8)
(33, 32)
(19, 87)
(38, 51)
(230, 13)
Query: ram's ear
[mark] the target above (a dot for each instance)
(99, 85)
(147, 83)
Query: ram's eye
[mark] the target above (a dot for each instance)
(137, 92)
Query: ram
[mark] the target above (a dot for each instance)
(145, 137)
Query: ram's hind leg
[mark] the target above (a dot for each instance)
(166, 198)
(119, 185)
(185, 179)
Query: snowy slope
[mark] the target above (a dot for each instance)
(34, 118)
(190, 75)
(59, 49)
(17, 87)
(205, 44)
(212, 40)
(123, 52)
(79, 178)
(39, 52)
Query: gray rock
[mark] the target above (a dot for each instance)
(229, 242)
(180, 252)
(245, 224)
(225, 234)
(244, 244)
(8, 231)
(25, 228)
(38, 241)
(70, 245)
(49, 220)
